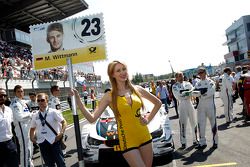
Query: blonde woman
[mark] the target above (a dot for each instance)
(126, 102)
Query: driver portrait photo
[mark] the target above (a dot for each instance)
(55, 37)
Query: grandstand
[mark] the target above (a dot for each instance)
(15, 43)
(20, 14)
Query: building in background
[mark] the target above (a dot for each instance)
(211, 70)
(238, 42)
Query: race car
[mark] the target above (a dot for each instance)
(100, 139)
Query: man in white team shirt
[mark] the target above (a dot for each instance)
(8, 149)
(43, 123)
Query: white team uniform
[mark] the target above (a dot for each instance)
(54, 102)
(33, 106)
(6, 118)
(22, 119)
(54, 118)
(206, 109)
(186, 110)
(226, 93)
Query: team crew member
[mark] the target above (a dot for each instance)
(40, 132)
(126, 102)
(54, 101)
(32, 104)
(206, 108)
(8, 149)
(227, 94)
(22, 118)
(186, 110)
(33, 107)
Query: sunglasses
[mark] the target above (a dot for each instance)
(40, 100)
(3, 95)
(201, 72)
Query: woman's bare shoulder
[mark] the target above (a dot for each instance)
(107, 97)
(138, 88)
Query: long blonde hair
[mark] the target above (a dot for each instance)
(114, 91)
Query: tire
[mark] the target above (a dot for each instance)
(163, 160)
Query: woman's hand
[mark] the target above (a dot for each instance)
(73, 92)
(144, 120)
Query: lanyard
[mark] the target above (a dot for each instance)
(42, 119)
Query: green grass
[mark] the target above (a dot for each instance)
(68, 115)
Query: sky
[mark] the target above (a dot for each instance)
(147, 34)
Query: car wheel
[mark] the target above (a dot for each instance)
(91, 165)
(163, 160)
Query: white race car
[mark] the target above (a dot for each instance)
(100, 140)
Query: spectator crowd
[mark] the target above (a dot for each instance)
(16, 63)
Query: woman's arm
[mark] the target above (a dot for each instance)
(153, 99)
(92, 117)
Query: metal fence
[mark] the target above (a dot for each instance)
(65, 104)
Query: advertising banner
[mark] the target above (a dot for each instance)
(82, 39)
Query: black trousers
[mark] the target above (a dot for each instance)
(8, 154)
(52, 154)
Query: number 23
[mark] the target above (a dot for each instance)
(87, 31)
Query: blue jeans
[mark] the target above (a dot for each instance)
(52, 153)
(164, 101)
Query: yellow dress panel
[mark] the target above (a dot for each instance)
(132, 134)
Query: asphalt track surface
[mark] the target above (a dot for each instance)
(233, 148)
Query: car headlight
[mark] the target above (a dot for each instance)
(93, 141)
(157, 133)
